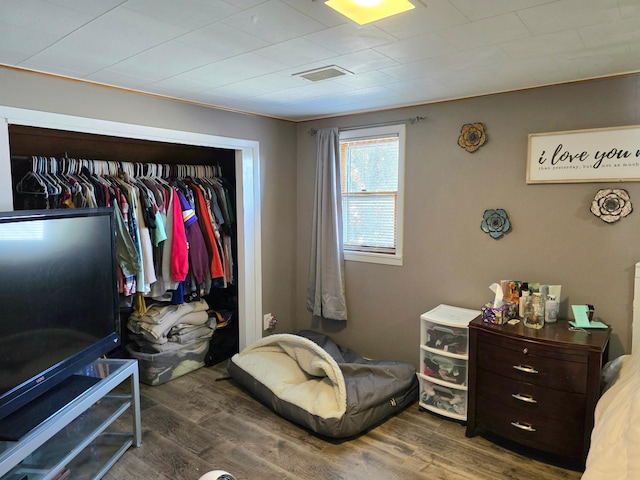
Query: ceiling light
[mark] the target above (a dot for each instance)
(367, 11)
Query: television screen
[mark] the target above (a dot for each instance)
(59, 307)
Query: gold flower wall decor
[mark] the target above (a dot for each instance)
(610, 205)
(472, 137)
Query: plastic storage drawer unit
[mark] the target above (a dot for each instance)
(159, 368)
(444, 347)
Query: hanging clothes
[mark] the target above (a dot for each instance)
(175, 224)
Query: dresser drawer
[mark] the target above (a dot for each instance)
(532, 399)
(556, 437)
(516, 344)
(524, 361)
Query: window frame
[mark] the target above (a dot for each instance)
(364, 133)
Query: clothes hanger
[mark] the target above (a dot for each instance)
(23, 184)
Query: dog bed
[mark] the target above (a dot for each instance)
(331, 390)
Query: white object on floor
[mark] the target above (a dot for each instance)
(217, 475)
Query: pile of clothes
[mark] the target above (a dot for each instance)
(445, 368)
(444, 399)
(171, 340)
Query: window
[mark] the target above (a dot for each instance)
(372, 178)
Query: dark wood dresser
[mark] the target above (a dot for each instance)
(537, 388)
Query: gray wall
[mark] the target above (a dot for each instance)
(277, 157)
(555, 239)
(447, 258)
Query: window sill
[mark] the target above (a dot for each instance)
(368, 257)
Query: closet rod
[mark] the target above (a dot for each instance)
(410, 121)
(137, 168)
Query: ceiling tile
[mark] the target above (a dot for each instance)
(274, 22)
(295, 52)
(63, 61)
(363, 61)
(629, 8)
(310, 90)
(368, 95)
(350, 37)
(436, 16)
(474, 10)
(364, 80)
(428, 68)
(621, 33)
(135, 33)
(472, 59)
(92, 7)
(19, 43)
(417, 48)
(190, 14)
(152, 64)
(39, 15)
(110, 77)
(177, 86)
(222, 40)
(543, 45)
(235, 69)
(318, 11)
(244, 4)
(258, 86)
(413, 86)
(599, 62)
(558, 16)
(489, 31)
(10, 55)
(545, 70)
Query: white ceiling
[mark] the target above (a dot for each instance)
(241, 54)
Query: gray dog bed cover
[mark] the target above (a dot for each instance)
(310, 380)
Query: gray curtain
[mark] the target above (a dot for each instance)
(326, 290)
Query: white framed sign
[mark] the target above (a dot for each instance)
(596, 155)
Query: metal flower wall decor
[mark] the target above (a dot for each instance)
(472, 137)
(495, 222)
(610, 205)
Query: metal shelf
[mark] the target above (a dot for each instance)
(81, 437)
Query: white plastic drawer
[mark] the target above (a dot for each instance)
(448, 339)
(448, 401)
(448, 369)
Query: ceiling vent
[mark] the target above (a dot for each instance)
(323, 73)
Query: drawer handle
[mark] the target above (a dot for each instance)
(524, 398)
(525, 368)
(523, 426)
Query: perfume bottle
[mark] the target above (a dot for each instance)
(534, 311)
(551, 308)
(524, 294)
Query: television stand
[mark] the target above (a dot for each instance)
(82, 436)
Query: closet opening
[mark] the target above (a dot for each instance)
(30, 133)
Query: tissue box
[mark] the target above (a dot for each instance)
(499, 315)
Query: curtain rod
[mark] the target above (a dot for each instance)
(313, 131)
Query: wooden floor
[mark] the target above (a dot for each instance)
(198, 423)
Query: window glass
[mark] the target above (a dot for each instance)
(372, 162)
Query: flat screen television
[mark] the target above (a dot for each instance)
(59, 305)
